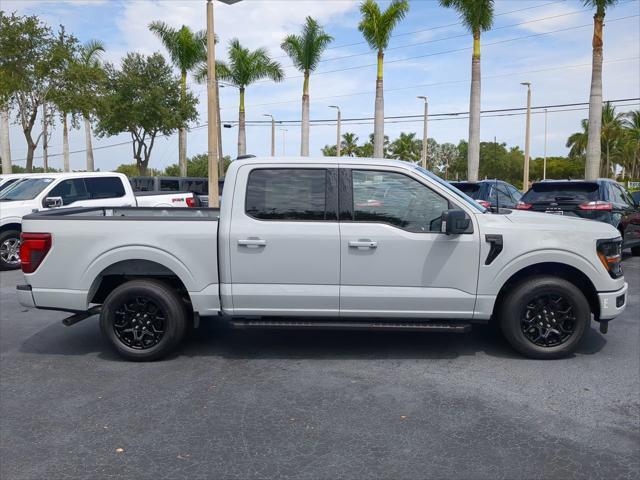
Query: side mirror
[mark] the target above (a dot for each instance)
(52, 202)
(455, 222)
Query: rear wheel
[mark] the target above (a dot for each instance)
(545, 317)
(143, 319)
(10, 250)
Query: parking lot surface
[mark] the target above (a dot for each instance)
(315, 405)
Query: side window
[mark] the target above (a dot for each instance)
(141, 184)
(396, 199)
(515, 193)
(71, 190)
(104, 187)
(618, 196)
(288, 194)
(169, 185)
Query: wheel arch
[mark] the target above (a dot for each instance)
(11, 226)
(556, 269)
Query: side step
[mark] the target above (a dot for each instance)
(384, 325)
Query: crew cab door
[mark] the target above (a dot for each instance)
(284, 244)
(94, 191)
(395, 262)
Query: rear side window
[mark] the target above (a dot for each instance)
(104, 187)
(562, 192)
(140, 184)
(288, 194)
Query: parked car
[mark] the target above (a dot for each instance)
(604, 200)
(325, 243)
(491, 193)
(54, 190)
(197, 185)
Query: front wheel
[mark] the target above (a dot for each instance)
(545, 317)
(10, 250)
(143, 319)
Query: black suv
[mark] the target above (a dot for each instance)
(603, 200)
(491, 193)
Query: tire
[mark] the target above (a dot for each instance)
(123, 321)
(545, 305)
(10, 250)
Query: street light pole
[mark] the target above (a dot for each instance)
(544, 164)
(273, 134)
(339, 120)
(423, 156)
(525, 177)
(284, 141)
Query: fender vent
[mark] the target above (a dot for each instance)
(496, 247)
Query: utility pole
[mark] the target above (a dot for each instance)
(544, 163)
(423, 156)
(212, 107)
(273, 133)
(45, 138)
(525, 177)
(220, 156)
(338, 135)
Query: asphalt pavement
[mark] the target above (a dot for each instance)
(235, 404)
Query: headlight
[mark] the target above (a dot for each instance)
(610, 254)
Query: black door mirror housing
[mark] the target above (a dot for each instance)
(455, 222)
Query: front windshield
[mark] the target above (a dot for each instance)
(451, 188)
(26, 189)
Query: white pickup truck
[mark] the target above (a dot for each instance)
(44, 191)
(325, 243)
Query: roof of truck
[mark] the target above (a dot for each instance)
(330, 160)
(69, 174)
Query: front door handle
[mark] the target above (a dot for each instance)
(363, 244)
(252, 242)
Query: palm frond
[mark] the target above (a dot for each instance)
(91, 52)
(476, 15)
(376, 26)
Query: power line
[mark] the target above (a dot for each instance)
(389, 119)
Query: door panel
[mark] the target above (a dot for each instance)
(284, 243)
(419, 273)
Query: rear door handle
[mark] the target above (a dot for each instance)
(252, 242)
(363, 244)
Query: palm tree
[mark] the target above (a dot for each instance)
(631, 126)
(592, 166)
(477, 16)
(89, 59)
(376, 27)
(611, 139)
(186, 49)
(349, 145)
(305, 51)
(406, 147)
(244, 68)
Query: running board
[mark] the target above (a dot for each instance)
(438, 326)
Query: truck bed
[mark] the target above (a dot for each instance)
(91, 243)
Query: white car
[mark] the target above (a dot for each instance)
(44, 191)
(6, 180)
(326, 243)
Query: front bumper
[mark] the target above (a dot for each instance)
(25, 296)
(613, 304)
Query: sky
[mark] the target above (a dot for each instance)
(545, 42)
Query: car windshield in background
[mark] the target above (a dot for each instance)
(471, 189)
(448, 186)
(27, 189)
(578, 192)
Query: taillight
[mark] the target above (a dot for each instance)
(191, 202)
(596, 205)
(33, 248)
(523, 206)
(610, 254)
(484, 203)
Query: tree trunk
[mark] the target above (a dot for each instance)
(304, 134)
(592, 167)
(242, 135)
(45, 138)
(378, 122)
(87, 140)
(182, 131)
(220, 156)
(65, 143)
(4, 140)
(473, 154)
